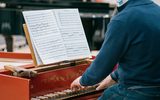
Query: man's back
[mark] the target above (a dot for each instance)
(141, 62)
(132, 40)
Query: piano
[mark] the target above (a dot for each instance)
(51, 83)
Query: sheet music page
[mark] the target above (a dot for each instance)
(45, 34)
(38, 59)
(72, 32)
(56, 35)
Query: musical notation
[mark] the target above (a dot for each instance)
(57, 35)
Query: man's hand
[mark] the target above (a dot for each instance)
(108, 81)
(75, 85)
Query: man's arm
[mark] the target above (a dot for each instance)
(115, 45)
(108, 81)
(114, 75)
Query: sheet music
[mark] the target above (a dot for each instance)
(56, 35)
(45, 35)
(39, 60)
(72, 32)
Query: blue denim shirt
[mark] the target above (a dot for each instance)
(133, 41)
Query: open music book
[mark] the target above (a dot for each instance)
(55, 35)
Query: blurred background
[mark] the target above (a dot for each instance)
(95, 15)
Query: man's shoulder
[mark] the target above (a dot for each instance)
(122, 17)
(130, 15)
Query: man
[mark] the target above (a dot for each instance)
(132, 40)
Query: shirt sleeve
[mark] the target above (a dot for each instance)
(114, 75)
(114, 46)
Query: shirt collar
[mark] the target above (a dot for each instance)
(134, 3)
(122, 7)
(138, 2)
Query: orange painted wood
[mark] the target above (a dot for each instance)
(15, 55)
(56, 80)
(13, 88)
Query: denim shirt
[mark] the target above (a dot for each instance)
(133, 41)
